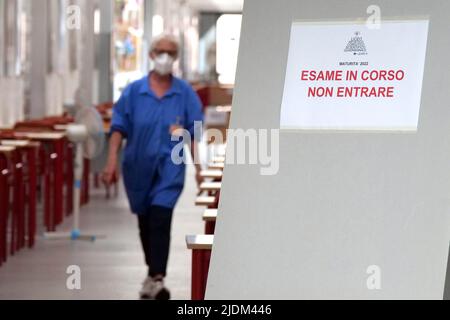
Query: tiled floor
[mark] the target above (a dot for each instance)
(111, 268)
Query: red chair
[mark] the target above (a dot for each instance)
(60, 152)
(53, 184)
(201, 247)
(31, 179)
(18, 210)
(52, 163)
(37, 174)
(17, 226)
(4, 207)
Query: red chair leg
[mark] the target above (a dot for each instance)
(4, 206)
(197, 275)
(86, 182)
(58, 191)
(200, 269)
(32, 186)
(48, 219)
(21, 213)
(206, 263)
(210, 227)
(70, 178)
(17, 228)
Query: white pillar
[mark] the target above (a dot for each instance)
(2, 38)
(148, 33)
(2, 63)
(105, 87)
(87, 51)
(39, 54)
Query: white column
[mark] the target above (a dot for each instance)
(87, 51)
(39, 52)
(2, 38)
(2, 62)
(105, 87)
(148, 33)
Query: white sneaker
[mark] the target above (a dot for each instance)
(159, 291)
(147, 288)
(154, 290)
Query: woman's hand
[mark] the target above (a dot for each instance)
(110, 174)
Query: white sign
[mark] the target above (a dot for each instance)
(345, 76)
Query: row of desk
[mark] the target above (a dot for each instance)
(201, 245)
(36, 166)
(36, 172)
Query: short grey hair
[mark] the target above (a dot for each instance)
(165, 37)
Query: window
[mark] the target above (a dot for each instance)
(228, 36)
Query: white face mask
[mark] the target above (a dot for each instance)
(164, 64)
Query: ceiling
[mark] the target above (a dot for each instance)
(217, 5)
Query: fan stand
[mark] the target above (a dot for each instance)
(77, 134)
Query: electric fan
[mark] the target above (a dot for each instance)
(87, 134)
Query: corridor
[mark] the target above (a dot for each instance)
(112, 268)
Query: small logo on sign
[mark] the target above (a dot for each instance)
(356, 45)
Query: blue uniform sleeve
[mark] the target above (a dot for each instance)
(120, 119)
(194, 117)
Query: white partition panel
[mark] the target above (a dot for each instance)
(350, 214)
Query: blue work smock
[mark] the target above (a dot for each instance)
(150, 176)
